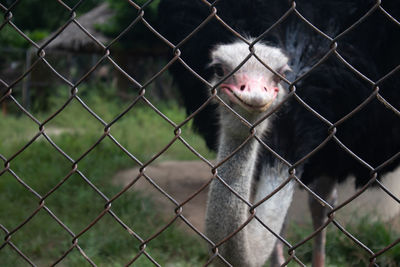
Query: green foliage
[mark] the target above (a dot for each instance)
(342, 251)
(43, 240)
(37, 18)
(125, 14)
(45, 14)
(37, 35)
(10, 37)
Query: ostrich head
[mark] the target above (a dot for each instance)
(253, 89)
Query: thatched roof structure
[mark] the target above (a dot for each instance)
(76, 40)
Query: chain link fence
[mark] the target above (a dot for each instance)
(107, 56)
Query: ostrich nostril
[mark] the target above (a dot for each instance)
(265, 88)
(242, 87)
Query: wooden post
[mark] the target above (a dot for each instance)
(26, 82)
(4, 107)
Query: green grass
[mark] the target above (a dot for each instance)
(342, 251)
(142, 132)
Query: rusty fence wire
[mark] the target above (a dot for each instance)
(107, 56)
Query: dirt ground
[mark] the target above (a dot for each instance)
(181, 179)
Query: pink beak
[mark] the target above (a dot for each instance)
(254, 94)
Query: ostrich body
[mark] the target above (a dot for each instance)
(331, 89)
(251, 91)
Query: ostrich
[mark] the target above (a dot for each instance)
(330, 88)
(252, 91)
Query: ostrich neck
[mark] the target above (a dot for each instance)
(238, 170)
(226, 212)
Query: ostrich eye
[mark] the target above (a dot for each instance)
(219, 70)
(278, 79)
(282, 72)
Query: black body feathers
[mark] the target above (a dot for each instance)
(331, 89)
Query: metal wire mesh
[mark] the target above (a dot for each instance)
(177, 130)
